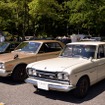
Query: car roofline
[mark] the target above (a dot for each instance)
(87, 43)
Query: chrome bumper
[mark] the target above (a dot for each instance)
(4, 73)
(50, 85)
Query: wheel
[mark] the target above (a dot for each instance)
(82, 87)
(19, 73)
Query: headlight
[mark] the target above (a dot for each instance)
(66, 76)
(31, 71)
(63, 76)
(60, 76)
(2, 66)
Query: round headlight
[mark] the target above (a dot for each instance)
(2, 66)
(34, 72)
(63, 76)
(66, 76)
(59, 76)
(29, 71)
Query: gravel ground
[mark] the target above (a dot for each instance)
(12, 93)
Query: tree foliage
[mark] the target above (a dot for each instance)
(52, 17)
(87, 14)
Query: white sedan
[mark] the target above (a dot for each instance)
(80, 65)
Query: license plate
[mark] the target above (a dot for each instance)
(42, 85)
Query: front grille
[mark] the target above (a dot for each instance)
(46, 75)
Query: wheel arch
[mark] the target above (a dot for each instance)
(84, 76)
(18, 65)
(19, 72)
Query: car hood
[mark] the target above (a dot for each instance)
(10, 56)
(57, 64)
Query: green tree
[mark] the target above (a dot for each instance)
(14, 16)
(45, 14)
(6, 15)
(52, 17)
(86, 14)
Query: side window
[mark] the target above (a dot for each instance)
(43, 49)
(101, 53)
(50, 47)
(54, 46)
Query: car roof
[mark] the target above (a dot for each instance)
(42, 41)
(87, 43)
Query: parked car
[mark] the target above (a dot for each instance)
(6, 47)
(80, 65)
(65, 41)
(14, 63)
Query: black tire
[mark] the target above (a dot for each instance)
(19, 73)
(82, 87)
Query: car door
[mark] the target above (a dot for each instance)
(49, 50)
(101, 62)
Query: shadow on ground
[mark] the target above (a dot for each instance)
(68, 97)
(9, 80)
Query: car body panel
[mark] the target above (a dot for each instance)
(16, 57)
(72, 62)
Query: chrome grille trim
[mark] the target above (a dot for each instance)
(50, 80)
(48, 76)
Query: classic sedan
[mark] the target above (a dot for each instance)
(14, 64)
(6, 47)
(80, 65)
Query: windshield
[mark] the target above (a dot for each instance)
(85, 51)
(3, 46)
(30, 47)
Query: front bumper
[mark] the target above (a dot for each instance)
(4, 73)
(49, 85)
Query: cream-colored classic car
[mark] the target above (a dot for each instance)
(80, 65)
(14, 63)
